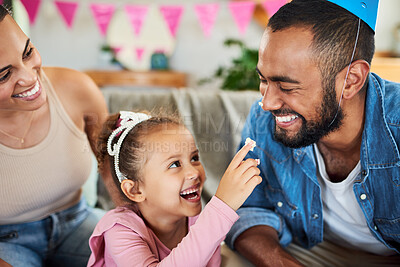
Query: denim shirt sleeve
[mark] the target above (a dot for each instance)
(257, 210)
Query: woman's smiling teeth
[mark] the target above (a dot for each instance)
(288, 118)
(30, 92)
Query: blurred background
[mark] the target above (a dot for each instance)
(195, 37)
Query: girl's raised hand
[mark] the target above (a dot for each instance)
(239, 179)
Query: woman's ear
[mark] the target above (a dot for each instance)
(131, 190)
(358, 73)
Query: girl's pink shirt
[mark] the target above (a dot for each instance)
(121, 238)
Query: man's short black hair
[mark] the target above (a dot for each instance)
(334, 29)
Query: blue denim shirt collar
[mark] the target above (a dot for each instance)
(376, 130)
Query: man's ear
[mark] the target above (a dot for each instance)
(358, 73)
(131, 190)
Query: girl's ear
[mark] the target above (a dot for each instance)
(131, 190)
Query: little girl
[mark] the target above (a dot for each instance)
(155, 163)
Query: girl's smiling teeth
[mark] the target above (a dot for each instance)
(191, 193)
(30, 92)
(287, 118)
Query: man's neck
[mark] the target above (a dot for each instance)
(341, 148)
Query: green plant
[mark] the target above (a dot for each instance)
(108, 49)
(241, 75)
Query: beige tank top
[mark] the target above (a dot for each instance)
(47, 177)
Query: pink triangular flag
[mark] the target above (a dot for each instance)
(32, 8)
(242, 12)
(139, 53)
(102, 14)
(136, 15)
(271, 6)
(172, 16)
(1, 2)
(67, 11)
(207, 14)
(116, 49)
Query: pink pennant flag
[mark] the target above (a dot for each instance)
(1, 2)
(139, 53)
(136, 15)
(32, 8)
(102, 14)
(116, 49)
(207, 14)
(172, 16)
(242, 12)
(271, 6)
(67, 11)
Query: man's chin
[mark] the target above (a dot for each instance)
(293, 141)
(288, 142)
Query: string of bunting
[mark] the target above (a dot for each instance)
(241, 11)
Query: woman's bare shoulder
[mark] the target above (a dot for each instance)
(78, 93)
(69, 81)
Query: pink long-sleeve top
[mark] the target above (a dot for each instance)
(121, 238)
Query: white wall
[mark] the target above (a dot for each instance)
(79, 48)
(388, 18)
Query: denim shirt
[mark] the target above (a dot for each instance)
(289, 197)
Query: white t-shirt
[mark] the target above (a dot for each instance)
(344, 221)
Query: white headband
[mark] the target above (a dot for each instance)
(128, 121)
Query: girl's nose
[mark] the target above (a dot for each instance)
(192, 173)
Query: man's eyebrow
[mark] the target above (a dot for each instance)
(259, 72)
(284, 79)
(278, 78)
(26, 46)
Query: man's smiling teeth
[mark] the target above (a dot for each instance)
(286, 118)
(33, 91)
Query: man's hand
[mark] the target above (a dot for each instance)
(260, 245)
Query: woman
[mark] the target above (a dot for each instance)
(48, 122)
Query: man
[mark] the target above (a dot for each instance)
(329, 145)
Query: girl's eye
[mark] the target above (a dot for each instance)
(195, 158)
(175, 164)
(5, 76)
(28, 54)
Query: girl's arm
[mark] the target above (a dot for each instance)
(128, 248)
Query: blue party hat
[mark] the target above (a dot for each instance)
(366, 10)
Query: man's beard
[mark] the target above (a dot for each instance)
(312, 131)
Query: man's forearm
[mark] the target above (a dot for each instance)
(260, 245)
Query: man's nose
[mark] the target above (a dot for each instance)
(271, 99)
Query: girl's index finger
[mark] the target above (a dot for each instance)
(241, 154)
